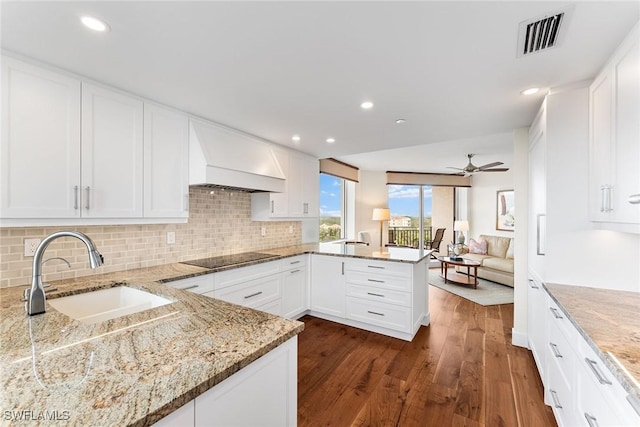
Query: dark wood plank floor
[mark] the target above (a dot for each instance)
(460, 371)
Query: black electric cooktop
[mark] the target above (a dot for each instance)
(225, 260)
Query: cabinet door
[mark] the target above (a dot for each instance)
(40, 149)
(626, 74)
(279, 202)
(295, 185)
(537, 324)
(166, 163)
(328, 285)
(310, 187)
(600, 147)
(112, 149)
(294, 292)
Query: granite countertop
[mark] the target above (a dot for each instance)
(610, 323)
(395, 254)
(132, 370)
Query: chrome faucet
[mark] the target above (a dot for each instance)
(35, 298)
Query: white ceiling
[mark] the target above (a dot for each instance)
(274, 69)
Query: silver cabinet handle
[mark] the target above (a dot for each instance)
(375, 281)
(75, 197)
(596, 371)
(376, 313)
(343, 268)
(602, 189)
(294, 262)
(295, 271)
(532, 284)
(375, 295)
(186, 202)
(609, 207)
(253, 295)
(634, 199)
(556, 401)
(272, 206)
(556, 313)
(305, 208)
(591, 420)
(376, 266)
(88, 201)
(186, 288)
(554, 349)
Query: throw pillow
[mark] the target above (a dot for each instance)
(478, 247)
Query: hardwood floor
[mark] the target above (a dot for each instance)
(460, 371)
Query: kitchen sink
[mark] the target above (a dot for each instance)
(105, 304)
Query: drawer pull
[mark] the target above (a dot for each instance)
(295, 271)
(375, 295)
(186, 288)
(376, 313)
(533, 284)
(376, 266)
(596, 371)
(294, 262)
(376, 281)
(253, 295)
(591, 420)
(556, 313)
(554, 349)
(556, 401)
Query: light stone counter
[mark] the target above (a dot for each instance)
(610, 323)
(133, 370)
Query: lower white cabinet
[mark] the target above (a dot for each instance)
(200, 284)
(253, 293)
(294, 286)
(261, 394)
(537, 329)
(328, 285)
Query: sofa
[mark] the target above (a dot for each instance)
(497, 264)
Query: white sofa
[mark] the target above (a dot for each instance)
(497, 264)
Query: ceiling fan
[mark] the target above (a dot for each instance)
(470, 169)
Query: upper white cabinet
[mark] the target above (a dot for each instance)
(614, 137)
(166, 163)
(40, 148)
(112, 147)
(300, 198)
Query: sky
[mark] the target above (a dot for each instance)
(403, 199)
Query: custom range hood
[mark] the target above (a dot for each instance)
(222, 157)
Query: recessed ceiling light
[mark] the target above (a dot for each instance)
(530, 91)
(94, 23)
(400, 121)
(367, 105)
(296, 138)
(331, 140)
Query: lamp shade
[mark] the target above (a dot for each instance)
(462, 225)
(381, 214)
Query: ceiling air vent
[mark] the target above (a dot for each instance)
(539, 34)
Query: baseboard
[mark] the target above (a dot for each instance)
(519, 339)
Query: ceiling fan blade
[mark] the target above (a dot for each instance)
(458, 169)
(495, 170)
(490, 165)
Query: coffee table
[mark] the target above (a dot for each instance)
(455, 277)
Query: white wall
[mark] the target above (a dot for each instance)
(371, 192)
(482, 202)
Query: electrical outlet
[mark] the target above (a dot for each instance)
(171, 237)
(263, 231)
(30, 246)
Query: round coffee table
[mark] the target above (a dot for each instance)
(455, 277)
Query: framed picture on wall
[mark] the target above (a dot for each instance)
(505, 210)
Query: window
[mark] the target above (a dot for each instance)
(404, 204)
(332, 208)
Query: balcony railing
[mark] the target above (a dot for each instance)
(404, 236)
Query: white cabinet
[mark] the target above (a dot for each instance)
(166, 163)
(258, 286)
(40, 146)
(200, 284)
(328, 285)
(294, 286)
(300, 198)
(537, 323)
(262, 394)
(112, 148)
(614, 135)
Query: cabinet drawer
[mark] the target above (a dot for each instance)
(294, 262)
(383, 281)
(373, 266)
(562, 355)
(559, 397)
(379, 294)
(244, 274)
(253, 293)
(380, 314)
(198, 285)
(558, 319)
(273, 307)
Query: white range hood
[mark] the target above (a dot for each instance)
(223, 157)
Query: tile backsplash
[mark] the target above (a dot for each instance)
(219, 224)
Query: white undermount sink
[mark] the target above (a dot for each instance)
(104, 304)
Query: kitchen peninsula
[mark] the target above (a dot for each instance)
(139, 368)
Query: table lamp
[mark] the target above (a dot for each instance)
(381, 214)
(460, 226)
